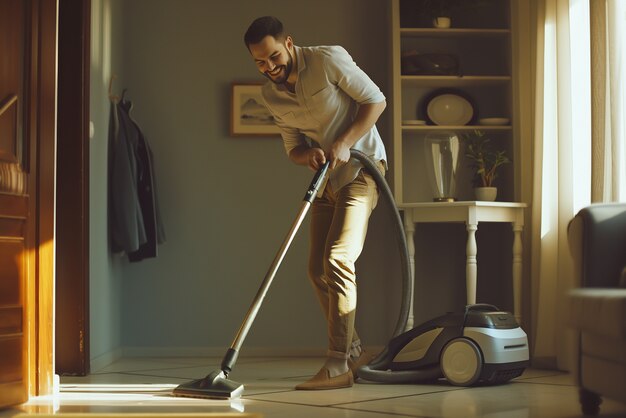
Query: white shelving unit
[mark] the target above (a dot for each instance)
(483, 47)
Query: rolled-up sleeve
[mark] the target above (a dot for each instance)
(345, 73)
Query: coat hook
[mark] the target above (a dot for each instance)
(112, 97)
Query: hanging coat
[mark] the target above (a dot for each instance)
(135, 221)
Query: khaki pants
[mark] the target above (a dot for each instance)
(338, 228)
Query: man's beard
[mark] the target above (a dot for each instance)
(286, 70)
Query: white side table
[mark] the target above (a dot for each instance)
(470, 212)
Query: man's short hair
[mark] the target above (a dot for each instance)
(262, 27)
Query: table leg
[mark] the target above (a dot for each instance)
(409, 230)
(471, 265)
(517, 271)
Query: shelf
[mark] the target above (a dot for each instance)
(444, 33)
(455, 81)
(411, 128)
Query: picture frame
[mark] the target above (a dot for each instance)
(249, 116)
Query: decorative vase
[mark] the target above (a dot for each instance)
(487, 194)
(443, 156)
(441, 22)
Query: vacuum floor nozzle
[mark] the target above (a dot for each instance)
(214, 386)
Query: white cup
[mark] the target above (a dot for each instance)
(441, 22)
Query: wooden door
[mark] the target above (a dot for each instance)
(27, 159)
(13, 203)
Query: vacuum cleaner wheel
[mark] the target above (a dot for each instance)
(461, 362)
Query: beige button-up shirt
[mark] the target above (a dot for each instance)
(329, 89)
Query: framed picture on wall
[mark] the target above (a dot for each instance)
(249, 116)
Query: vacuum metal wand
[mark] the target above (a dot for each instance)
(216, 384)
(231, 355)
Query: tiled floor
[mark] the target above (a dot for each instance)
(141, 385)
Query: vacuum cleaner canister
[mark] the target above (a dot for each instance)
(481, 344)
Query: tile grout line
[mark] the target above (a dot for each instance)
(342, 404)
(339, 408)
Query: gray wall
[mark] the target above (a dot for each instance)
(226, 202)
(105, 271)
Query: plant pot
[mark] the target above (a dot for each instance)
(441, 22)
(487, 194)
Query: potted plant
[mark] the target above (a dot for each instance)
(485, 162)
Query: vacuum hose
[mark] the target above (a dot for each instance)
(407, 285)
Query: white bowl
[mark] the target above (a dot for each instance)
(494, 121)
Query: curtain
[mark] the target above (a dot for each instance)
(608, 78)
(561, 168)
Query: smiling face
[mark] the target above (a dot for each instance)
(274, 58)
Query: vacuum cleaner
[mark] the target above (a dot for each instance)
(217, 384)
(479, 345)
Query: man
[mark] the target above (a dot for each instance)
(325, 105)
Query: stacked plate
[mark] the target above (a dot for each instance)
(493, 121)
(414, 122)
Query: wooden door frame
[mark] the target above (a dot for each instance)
(41, 133)
(72, 188)
(42, 260)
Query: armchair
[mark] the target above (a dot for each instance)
(597, 309)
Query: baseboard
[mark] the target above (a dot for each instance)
(100, 362)
(103, 360)
(220, 351)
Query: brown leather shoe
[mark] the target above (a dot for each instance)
(363, 359)
(322, 381)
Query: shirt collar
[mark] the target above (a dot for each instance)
(299, 59)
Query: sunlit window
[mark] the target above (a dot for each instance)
(566, 143)
(581, 103)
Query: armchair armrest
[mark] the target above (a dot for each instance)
(597, 241)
